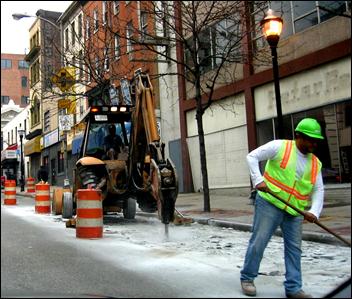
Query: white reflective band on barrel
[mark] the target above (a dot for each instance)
(42, 203)
(89, 204)
(10, 188)
(41, 193)
(89, 222)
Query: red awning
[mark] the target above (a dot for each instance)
(12, 147)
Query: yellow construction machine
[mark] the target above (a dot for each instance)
(139, 173)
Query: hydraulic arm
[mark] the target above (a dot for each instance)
(151, 172)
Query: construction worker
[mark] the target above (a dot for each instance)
(112, 143)
(293, 173)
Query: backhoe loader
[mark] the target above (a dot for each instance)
(139, 173)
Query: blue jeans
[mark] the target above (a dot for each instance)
(267, 218)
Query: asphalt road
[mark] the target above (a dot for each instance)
(37, 261)
(40, 257)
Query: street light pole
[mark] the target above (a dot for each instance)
(280, 122)
(19, 16)
(21, 133)
(272, 27)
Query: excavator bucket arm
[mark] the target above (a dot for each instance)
(150, 171)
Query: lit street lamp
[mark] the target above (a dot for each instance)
(272, 27)
(21, 133)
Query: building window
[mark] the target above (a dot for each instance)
(96, 21)
(144, 23)
(35, 72)
(80, 64)
(116, 47)
(87, 28)
(105, 13)
(129, 34)
(24, 81)
(66, 39)
(164, 19)
(35, 112)
(34, 41)
(47, 121)
(215, 44)
(23, 64)
(60, 162)
(116, 7)
(106, 59)
(329, 9)
(6, 64)
(48, 73)
(73, 33)
(80, 26)
(89, 75)
(297, 15)
(97, 67)
(24, 100)
(225, 41)
(5, 100)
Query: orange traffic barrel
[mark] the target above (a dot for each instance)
(30, 185)
(89, 222)
(42, 198)
(10, 192)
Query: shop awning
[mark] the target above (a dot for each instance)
(12, 147)
(76, 144)
(10, 153)
(32, 146)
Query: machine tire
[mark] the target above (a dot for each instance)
(67, 205)
(129, 209)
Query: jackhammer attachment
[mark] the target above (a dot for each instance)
(164, 186)
(148, 151)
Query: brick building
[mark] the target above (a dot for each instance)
(14, 79)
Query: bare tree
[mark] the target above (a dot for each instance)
(211, 35)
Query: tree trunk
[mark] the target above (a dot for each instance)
(203, 162)
(203, 157)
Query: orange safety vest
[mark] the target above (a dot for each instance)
(280, 177)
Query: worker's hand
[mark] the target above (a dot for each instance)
(310, 217)
(262, 187)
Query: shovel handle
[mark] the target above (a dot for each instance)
(316, 221)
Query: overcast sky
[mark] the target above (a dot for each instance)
(15, 34)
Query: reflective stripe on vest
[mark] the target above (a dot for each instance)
(287, 154)
(280, 177)
(286, 188)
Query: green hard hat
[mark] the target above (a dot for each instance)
(309, 127)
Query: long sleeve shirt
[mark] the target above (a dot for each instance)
(269, 151)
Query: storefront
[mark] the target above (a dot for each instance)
(323, 93)
(9, 163)
(32, 149)
(52, 157)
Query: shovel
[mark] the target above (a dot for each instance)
(316, 221)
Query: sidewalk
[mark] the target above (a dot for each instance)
(229, 209)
